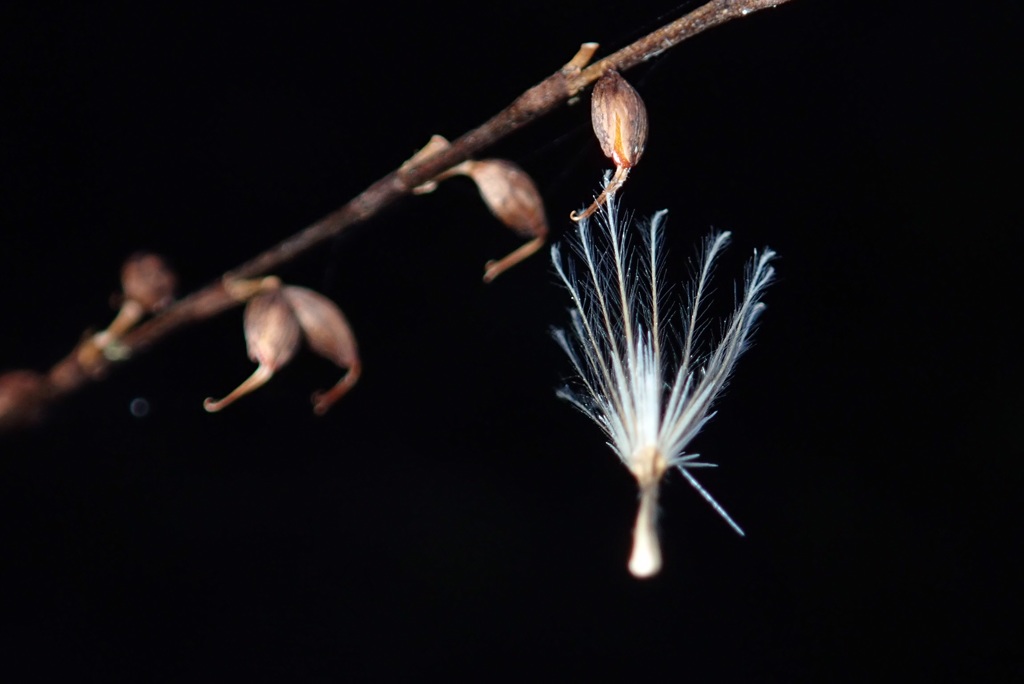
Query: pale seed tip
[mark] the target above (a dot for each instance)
(645, 560)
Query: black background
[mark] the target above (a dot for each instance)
(451, 515)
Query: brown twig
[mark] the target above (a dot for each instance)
(85, 364)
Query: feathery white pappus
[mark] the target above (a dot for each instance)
(644, 376)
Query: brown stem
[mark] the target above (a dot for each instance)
(324, 400)
(259, 378)
(495, 267)
(70, 374)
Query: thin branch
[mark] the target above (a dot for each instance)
(84, 365)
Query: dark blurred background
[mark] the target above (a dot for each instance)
(451, 516)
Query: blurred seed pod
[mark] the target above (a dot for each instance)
(147, 286)
(619, 118)
(23, 399)
(146, 279)
(328, 334)
(271, 330)
(272, 336)
(512, 196)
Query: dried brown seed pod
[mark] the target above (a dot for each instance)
(272, 336)
(328, 334)
(508, 192)
(147, 286)
(146, 279)
(619, 118)
(271, 330)
(276, 318)
(512, 196)
(23, 399)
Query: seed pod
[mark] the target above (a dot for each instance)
(148, 286)
(146, 279)
(508, 192)
(328, 334)
(271, 330)
(23, 398)
(619, 118)
(272, 337)
(511, 195)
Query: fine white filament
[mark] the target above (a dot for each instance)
(643, 373)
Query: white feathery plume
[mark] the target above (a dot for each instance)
(642, 376)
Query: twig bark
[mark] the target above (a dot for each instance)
(80, 366)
